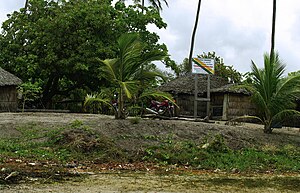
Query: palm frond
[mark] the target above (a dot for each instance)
(154, 55)
(289, 86)
(126, 71)
(129, 87)
(92, 99)
(274, 95)
(148, 76)
(109, 69)
(157, 4)
(241, 118)
(285, 114)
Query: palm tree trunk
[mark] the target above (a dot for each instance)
(273, 32)
(121, 113)
(268, 123)
(193, 36)
(26, 4)
(267, 128)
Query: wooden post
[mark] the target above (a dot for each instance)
(196, 97)
(208, 97)
(225, 107)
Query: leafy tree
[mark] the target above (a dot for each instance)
(127, 72)
(29, 92)
(274, 95)
(58, 42)
(225, 71)
(184, 67)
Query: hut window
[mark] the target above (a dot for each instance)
(217, 111)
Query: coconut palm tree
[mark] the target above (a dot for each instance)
(194, 34)
(274, 95)
(155, 3)
(126, 71)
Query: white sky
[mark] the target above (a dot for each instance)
(238, 30)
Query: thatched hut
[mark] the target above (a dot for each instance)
(227, 101)
(8, 91)
(231, 101)
(183, 89)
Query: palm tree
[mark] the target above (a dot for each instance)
(126, 71)
(193, 35)
(274, 96)
(273, 31)
(155, 3)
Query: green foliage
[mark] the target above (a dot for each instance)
(30, 92)
(274, 95)
(294, 73)
(216, 144)
(217, 155)
(155, 3)
(184, 67)
(73, 142)
(126, 72)
(57, 43)
(78, 142)
(228, 72)
(96, 103)
(225, 71)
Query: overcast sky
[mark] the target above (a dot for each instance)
(237, 30)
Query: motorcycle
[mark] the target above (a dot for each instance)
(164, 108)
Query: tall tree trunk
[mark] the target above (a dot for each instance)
(273, 32)
(193, 36)
(26, 4)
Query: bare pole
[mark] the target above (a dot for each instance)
(191, 55)
(208, 98)
(273, 32)
(193, 35)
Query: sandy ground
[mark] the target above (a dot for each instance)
(148, 182)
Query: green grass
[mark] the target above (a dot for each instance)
(218, 156)
(37, 143)
(78, 142)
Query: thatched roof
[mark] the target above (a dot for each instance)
(186, 84)
(8, 79)
(231, 88)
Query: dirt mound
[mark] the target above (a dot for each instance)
(90, 131)
(82, 141)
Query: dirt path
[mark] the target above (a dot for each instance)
(148, 182)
